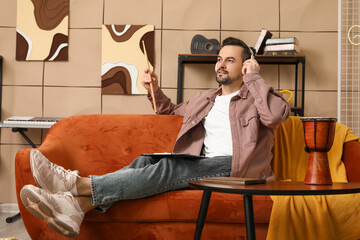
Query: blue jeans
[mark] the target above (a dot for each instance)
(149, 175)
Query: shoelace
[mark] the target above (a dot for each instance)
(66, 195)
(64, 173)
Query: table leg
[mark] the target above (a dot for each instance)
(249, 217)
(202, 214)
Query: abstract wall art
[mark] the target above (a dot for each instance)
(42, 30)
(123, 58)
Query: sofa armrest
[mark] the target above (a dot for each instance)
(351, 159)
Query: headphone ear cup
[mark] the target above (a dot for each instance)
(216, 67)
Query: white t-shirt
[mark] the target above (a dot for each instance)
(218, 141)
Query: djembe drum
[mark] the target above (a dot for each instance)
(319, 136)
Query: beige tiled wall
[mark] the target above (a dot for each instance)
(249, 15)
(68, 88)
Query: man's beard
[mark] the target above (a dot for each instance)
(227, 80)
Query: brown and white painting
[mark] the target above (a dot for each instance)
(123, 58)
(42, 30)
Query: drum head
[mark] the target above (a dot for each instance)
(318, 119)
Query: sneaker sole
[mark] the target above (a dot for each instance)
(43, 212)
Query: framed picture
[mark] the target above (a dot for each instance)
(124, 59)
(42, 30)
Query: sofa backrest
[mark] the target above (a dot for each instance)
(94, 144)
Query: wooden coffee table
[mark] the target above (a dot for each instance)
(269, 188)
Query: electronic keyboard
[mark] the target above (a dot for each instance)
(29, 122)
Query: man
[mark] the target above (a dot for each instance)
(232, 126)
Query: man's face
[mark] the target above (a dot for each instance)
(229, 65)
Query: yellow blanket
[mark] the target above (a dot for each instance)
(311, 217)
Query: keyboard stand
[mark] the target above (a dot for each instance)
(22, 131)
(13, 218)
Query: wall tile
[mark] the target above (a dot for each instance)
(21, 101)
(10, 137)
(8, 13)
(179, 42)
(68, 101)
(200, 76)
(133, 12)
(308, 15)
(119, 104)
(321, 104)
(249, 15)
(17, 72)
(320, 50)
(190, 14)
(170, 93)
(7, 169)
(249, 38)
(84, 65)
(93, 17)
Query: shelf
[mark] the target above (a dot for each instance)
(262, 59)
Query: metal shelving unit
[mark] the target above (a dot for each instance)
(295, 60)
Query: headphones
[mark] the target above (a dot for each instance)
(252, 53)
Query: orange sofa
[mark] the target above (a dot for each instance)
(99, 144)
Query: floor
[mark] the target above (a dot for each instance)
(14, 229)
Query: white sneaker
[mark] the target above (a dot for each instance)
(61, 211)
(49, 176)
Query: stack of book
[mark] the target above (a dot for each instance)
(282, 46)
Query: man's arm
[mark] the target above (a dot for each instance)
(272, 107)
(163, 103)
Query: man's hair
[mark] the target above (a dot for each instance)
(231, 41)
